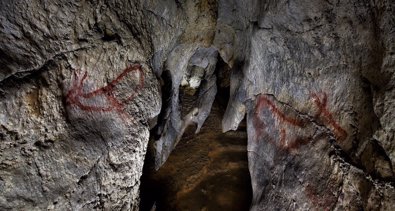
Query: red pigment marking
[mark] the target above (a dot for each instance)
(328, 119)
(283, 137)
(260, 132)
(75, 93)
(262, 102)
(298, 143)
(258, 125)
(323, 201)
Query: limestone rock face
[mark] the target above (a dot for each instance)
(77, 96)
(84, 86)
(308, 89)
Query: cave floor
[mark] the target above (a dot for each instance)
(207, 171)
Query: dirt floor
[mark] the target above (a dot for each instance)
(208, 171)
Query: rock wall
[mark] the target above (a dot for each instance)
(308, 88)
(77, 96)
(83, 82)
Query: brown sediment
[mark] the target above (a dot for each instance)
(33, 102)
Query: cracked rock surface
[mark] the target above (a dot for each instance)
(77, 97)
(86, 86)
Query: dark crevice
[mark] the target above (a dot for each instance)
(27, 75)
(111, 37)
(166, 90)
(46, 144)
(161, 187)
(210, 149)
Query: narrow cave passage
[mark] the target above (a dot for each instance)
(207, 171)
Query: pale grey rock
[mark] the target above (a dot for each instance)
(310, 90)
(203, 63)
(314, 79)
(182, 37)
(182, 64)
(63, 145)
(171, 127)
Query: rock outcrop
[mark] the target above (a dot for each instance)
(77, 96)
(309, 88)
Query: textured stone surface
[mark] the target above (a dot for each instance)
(309, 89)
(315, 81)
(77, 95)
(83, 82)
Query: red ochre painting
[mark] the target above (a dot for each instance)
(322, 201)
(326, 116)
(263, 102)
(284, 143)
(76, 97)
